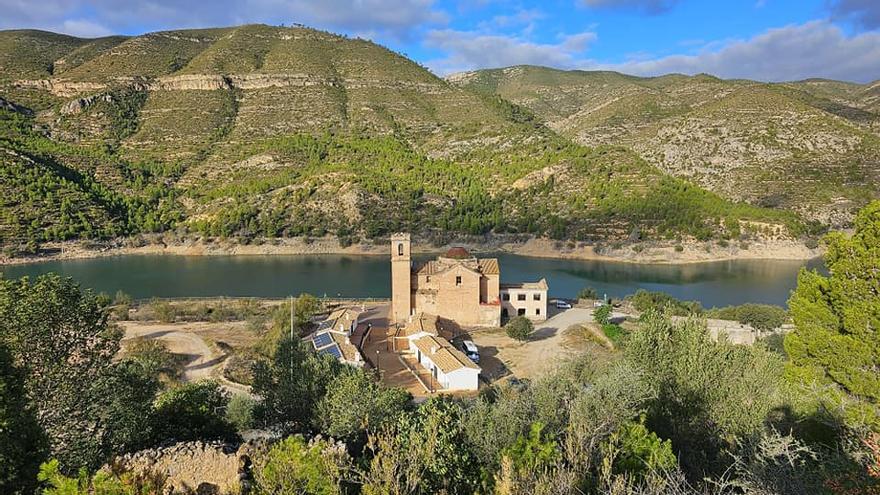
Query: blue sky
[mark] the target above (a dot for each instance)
(759, 39)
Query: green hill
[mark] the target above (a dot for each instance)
(260, 131)
(810, 146)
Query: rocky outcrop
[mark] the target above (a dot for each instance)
(193, 467)
(77, 105)
(209, 82)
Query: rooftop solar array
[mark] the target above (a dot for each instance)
(322, 340)
(333, 350)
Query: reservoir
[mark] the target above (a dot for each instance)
(145, 276)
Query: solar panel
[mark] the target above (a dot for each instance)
(322, 340)
(332, 350)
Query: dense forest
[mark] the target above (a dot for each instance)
(673, 412)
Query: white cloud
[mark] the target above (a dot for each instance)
(468, 50)
(83, 28)
(814, 49)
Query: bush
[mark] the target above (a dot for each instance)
(240, 412)
(602, 314)
(588, 293)
(153, 355)
(294, 466)
(520, 328)
(644, 301)
(761, 317)
(191, 412)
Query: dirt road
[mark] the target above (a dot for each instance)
(201, 361)
(544, 351)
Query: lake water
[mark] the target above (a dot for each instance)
(145, 276)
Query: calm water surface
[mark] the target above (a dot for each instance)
(144, 276)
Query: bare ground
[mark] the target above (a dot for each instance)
(193, 341)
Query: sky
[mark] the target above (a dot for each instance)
(767, 40)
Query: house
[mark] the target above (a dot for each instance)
(527, 299)
(455, 286)
(420, 340)
(333, 336)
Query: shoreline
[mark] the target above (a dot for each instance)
(641, 253)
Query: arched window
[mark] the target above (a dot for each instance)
(400, 249)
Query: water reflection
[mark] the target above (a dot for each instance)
(714, 284)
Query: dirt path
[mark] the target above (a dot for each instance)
(544, 351)
(201, 361)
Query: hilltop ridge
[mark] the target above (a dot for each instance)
(259, 131)
(812, 146)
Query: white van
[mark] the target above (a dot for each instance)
(470, 349)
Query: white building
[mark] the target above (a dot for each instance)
(450, 369)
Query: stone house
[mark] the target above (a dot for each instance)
(527, 299)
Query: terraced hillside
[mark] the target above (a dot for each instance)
(261, 132)
(810, 146)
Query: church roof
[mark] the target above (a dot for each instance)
(486, 266)
(458, 253)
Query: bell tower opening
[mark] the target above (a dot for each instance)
(401, 278)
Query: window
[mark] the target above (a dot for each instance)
(505, 297)
(458, 280)
(504, 312)
(536, 297)
(538, 311)
(521, 312)
(520, 297)
(400, 249)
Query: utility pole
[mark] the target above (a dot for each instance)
(291, 317)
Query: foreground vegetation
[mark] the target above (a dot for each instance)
(672, 412)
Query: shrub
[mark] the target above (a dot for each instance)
(679, 248)
(153, 355)
(191, 412)
(240, 412)
(588, 293)
(644, 301)
(613, 332)
(294, 466)
(638, 451)
(520, 328)
(762, 317)
(602, 314)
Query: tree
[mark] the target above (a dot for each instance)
(59, 337)
(191, 412)
(426, 452)
(637, 451)
(126, 392)
(709, 393)
(836, 342)
(292, 384)
(356, 404)
(294, 466)
(22, 442)
(520, 328)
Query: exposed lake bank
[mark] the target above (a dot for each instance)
(656, 252)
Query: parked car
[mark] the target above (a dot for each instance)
(471, 351)
(562, 305)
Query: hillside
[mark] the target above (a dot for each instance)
(258, 131)
(811, 146)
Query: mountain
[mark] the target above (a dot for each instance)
(810, 146)
(259, 131)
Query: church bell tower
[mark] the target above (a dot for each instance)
(401, 278)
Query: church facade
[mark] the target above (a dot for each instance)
(455, 286)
